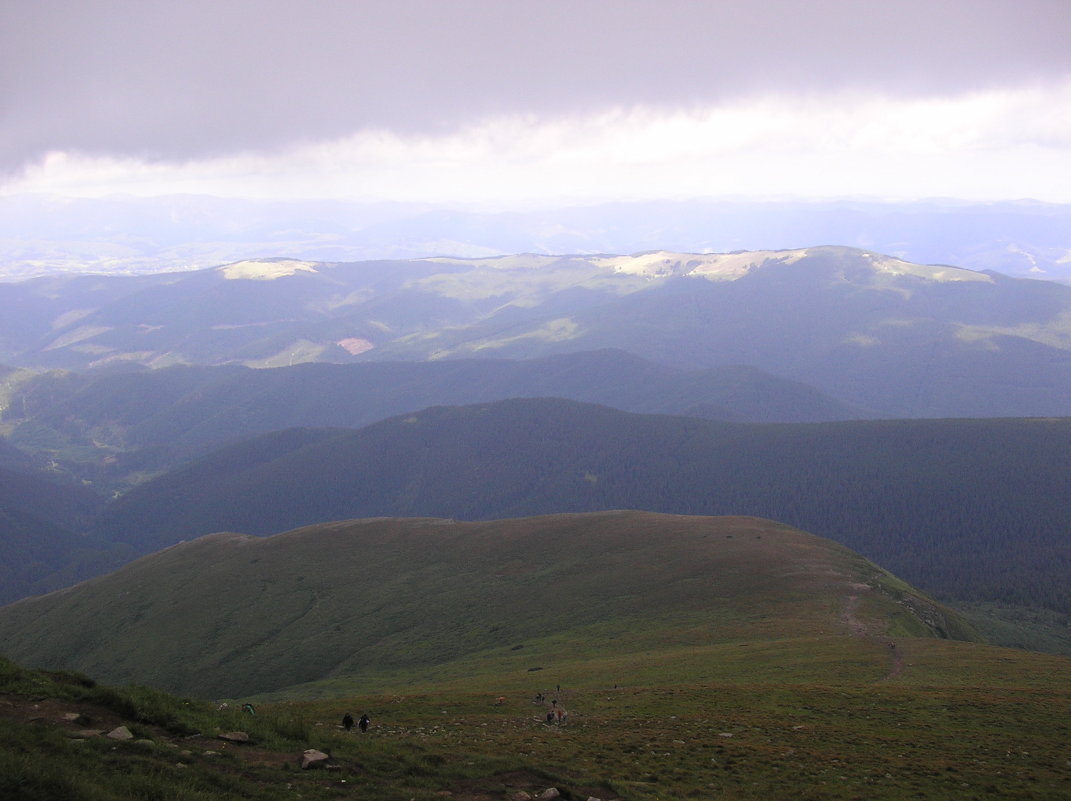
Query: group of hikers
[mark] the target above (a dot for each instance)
(555, 712)
(362, 724)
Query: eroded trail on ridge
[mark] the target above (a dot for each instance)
(860, 628)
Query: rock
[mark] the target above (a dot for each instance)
(313, 759)
(77, 718)
(521, 795)
(88, 733)
(235, 737)
(549, 794)
(120, 733)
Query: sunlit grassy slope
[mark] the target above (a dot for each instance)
(610, 597)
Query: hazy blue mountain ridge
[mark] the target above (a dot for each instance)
(102, 426)
(873, 332)
(40, 234)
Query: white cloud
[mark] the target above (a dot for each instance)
(982, 145)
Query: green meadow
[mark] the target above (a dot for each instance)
(957, 721)
(698, 658)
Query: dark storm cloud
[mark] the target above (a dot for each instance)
(180, 80)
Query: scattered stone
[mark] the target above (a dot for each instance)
(549, 794)
(235, 737)
(726, 734)
(120, 733)
(82, 733)
(77, 718)
(313, 758)
(521, 795)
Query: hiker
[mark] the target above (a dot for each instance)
(364, 721)
(347, 721)
(249, 708)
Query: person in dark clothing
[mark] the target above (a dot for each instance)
(364, 721)
(347, 721)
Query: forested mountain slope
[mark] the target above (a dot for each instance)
(42, 546)
(110, 428)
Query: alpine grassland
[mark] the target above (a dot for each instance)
(926, 719)
(617, 655)
(230, 615)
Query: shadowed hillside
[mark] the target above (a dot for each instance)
(111, 427)
(41, 526)
(233, 615)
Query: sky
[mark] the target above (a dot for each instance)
(504, 103)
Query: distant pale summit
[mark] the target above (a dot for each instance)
(265, 269)
(723, 266)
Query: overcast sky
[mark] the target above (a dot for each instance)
(504, 102)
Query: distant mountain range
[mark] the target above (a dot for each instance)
(49, 235)
(231, 615)
(882, 336)
(140, 411)
(113, 429)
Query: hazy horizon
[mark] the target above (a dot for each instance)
(508, 106)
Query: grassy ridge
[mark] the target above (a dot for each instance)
(232, 615)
